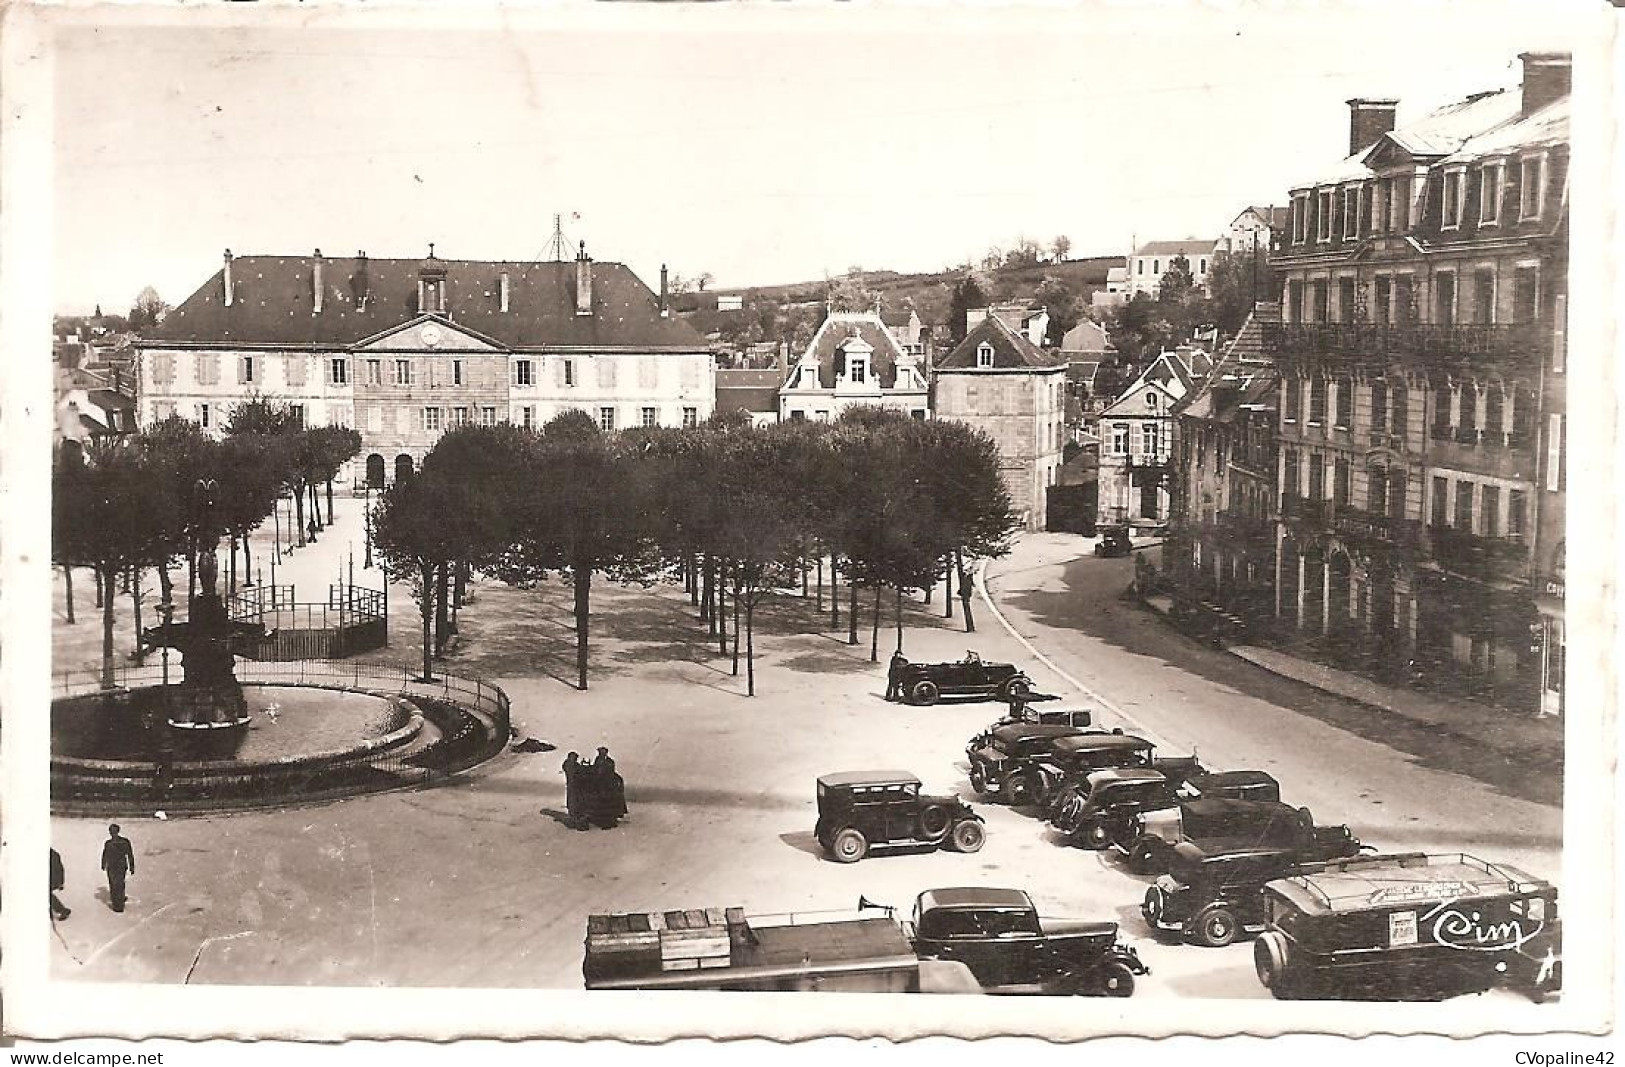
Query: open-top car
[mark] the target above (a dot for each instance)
(1398, 924)
(926, 683)
(998, 754)
(861, 810)
(1149, 837)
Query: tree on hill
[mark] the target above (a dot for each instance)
(1061, 245)
(1024, 254)
(1056, 297)
(1237, 281)
(148, 310)
(967, 294)
(1176, 282)
(850, 293)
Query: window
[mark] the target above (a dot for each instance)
(1399, 214)
(338, 371)
(1156, 267)
(1323, 216)
(1441, 499)
(1119, 438)
(403, 372)
(293, 370)
(1139, 266)
(647, 418)
(375, 372)
(1516, 503)
(1382, 308)
(1376, 492)
(431, 419)
(1489, 194)
(1344, 412)
(203, 415)
(1318, 292)
(1490, 512)
(432, 295)
(524, 372)
(567, 372)
(1401, 412)
(1444, 299)
(1450, 217)
(1317, 401)
(527, 417)
(1379, 407)
(984, 355)
(1150, 439)
(1396, 494)
(1526, 294)
(1531, 182)
(795, 416)
(1467, 423)
(606, 372)
(1201, 267)
(488, 416)
(297, 411)
(1483, 297)
(208, 369)
(606, 418)
(691, 418)
(1351, 212)
(1494, 414)
(245, 370)
(1345, 300)
(1292, 389)
(1464, 506)
(1289, 472)
(459, 416)
(457, 372)
(1341, 474)
(1404, 306)
(1317, 476)
(1294, 300)
(1554, 453)
(857, 368)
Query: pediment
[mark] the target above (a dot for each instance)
(428, 333)
(1387, 153)
(1134, 403)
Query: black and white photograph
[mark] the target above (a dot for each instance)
(1045, 520)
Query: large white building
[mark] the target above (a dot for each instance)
(404, 349)
(1153, 259)
(854, 358)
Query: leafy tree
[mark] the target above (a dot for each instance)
(974, 516)
(181, 454)
(1176, 282)
(1062, 304)
(252, 470)
(148, 310)
(967, 294)
(415, 535)
(1061, 246)
(1024, 254)
(993, 258)
(705, 279)
(332, 447)
(1237, 282)
(850, 293)
(279, 428)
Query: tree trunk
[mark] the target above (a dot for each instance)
(67, 576)
(804, 570)
(442, 622)
(426, 610)
(721, 610)
(947, 587)
(930, 585)
(852, 612)
(329, 501)
(124, 580)
(97, 574)
(708, 592)
(135, 599)
(109, 576)
(316, 506)
(583, 589)
(231, 570)
(736, 632)
(820, 603)
(299, 512)
(191, 576)
(964, 591)
(459, 590)
(874, 633)
(899, 614)
(834, 593)
(166, 584)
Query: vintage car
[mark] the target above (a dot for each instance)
(1213, 891)
(1072, 759)
(1234, 785)
(1149, 837)
(1401, 926)
(1089, 811)
(926, 683)
(999, 935)
(1114, 541)
(1005, 750)
(860, 810)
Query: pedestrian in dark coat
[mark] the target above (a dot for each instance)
(894, 675)
(118, 860)
(59, 878)
(609, 791)
(576, 791)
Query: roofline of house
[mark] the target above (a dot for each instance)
(354, 348)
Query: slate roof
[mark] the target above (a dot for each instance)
(1440, 132)
(1082, 371)
(108, 400)
(273, 301)
(1086, 336)
(1011, 350)
(1275, 215)
(1546, 127)
(835, 331)
(1192, 247)
(747, 389)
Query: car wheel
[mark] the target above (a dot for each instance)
(1116, 980)
(1015, 688)
(1096, 838)
(849, 846)
(969, 836)
(978, 779)
(1269, 959)
(1151, 908)
(925, 693)
(1145, 855)
(1216, 927)
(935, 822)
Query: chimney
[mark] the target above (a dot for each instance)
(228, 277)
(316, 285)
(360, 283)
(663, 311)
(502, 291)
(583, 282)
(1546, 77)
(1369, 119)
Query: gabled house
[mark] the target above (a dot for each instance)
(853, 359)
(1136, 437)
(1152, 260)
(1031, 323)
(1001, 383)
(1256, 229)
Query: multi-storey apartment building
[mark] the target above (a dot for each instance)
(1001, 383)
(853, 358)
(405, 349)
(1421, 410)
(1136, 438)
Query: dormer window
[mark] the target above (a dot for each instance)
(432, 296)
(1351, 212)
(1531, 186)
(857, 369)
(1323, 216)
(1452, 200)
(1489, 194)
(984, 355)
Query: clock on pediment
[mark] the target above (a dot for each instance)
(430, 335)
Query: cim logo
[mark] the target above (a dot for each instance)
(1454, 927)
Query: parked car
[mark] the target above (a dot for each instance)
(1213, 891)
(1072, 759)
(1150, 836)
(926, 683)
(860, 810)
(1004, 751)
(998, 934)
(1234, 785)
(1087, 810)
(1114, 541)
(1398, 924)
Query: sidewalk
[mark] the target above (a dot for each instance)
(1514, 735)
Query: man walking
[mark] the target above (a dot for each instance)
(894, 675)
(576, 800)
(59, 878)
(118, 860)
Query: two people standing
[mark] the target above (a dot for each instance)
(594, 794)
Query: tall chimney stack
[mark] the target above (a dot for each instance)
(359, 282)
(502, 291)
(663, 311)
(316, 285)
(228, 277)
(583, 282)
(1547, 76)
(1369, 119)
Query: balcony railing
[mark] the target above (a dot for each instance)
(1450, 344)
(1146, 461)
(1302, 511)
(1350, 523)
(1474, 555)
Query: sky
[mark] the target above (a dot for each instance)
(758, 145)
